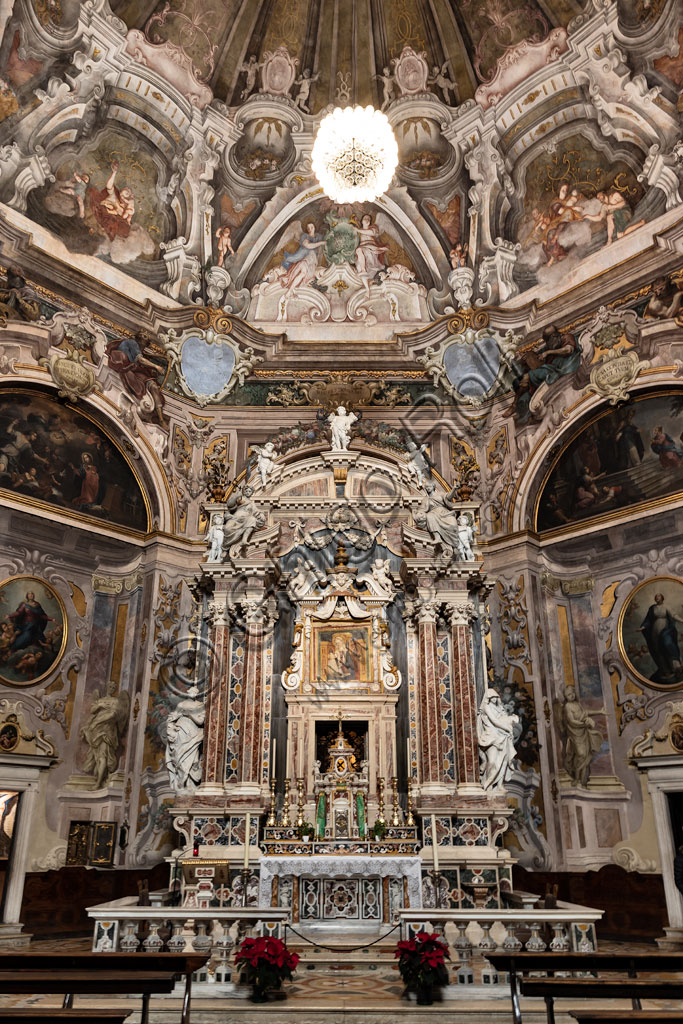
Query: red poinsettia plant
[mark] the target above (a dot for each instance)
(267, 961)
(422, 961)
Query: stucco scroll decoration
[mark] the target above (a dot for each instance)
(208, 364)
(615, 375)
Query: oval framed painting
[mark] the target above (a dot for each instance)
(651, 632)
(33, 630)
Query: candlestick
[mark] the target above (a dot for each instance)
(395, 819)
(245, 883)
(247, 836)
(434, 846)
(300, 802)
(271, 812)
(380, 798)
(285, 806)
(410, 820)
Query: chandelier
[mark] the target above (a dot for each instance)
(355, 154)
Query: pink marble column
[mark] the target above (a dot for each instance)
(213, 774)
(464, 695)
(251, 733)
(431, 753)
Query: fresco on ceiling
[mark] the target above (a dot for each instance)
(339, 263)
(52, 454)
(576, 201)
(423, 151)
(650, 627)
(103, 202)
(19, 76)
(672, 67)
(554, 355)
(624, 457)
(264, 149)
(230, 226)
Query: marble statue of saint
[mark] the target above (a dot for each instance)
(265, 458)
(419, 462)
(465, 537)
(215, 538)
(184, 734)
(495, 727)
(581, 739)
(435, 516)
(103, 732)
(245, 518)
(341, 422)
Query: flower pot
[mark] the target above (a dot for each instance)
(425, 995)
(258, 994)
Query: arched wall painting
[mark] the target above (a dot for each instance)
(54, 455)
(623, 458)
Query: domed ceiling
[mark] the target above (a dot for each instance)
(348, 44)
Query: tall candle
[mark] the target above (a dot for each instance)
(434, 846)
(273, 761)
(247, 833)
(410, 767)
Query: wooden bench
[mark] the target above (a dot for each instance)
(46, 1015)
(100, 973)
(631, 964)
(622, 1016)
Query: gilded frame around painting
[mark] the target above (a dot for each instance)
(649, 632)
(342, 654)
(33, 632)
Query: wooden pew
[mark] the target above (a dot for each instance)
(46, 1015)
(622, 1016)
(106, 973)
(631, 964)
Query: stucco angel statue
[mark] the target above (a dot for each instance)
(581, 739)
(465, 537)
(341, 422)
(216, 537)
(184, 734)
(265, 460)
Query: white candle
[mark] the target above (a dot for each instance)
(410, 767)
(247, 831)
(434, 846)
(272, 763)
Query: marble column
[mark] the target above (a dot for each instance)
(218, 690)
(430, 731)
(461, 614)
(258, 617)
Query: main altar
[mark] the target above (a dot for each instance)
(340, 658)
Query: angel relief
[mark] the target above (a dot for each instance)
(340, 264)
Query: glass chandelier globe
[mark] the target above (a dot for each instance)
(355, 154)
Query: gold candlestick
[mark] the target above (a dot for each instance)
(410, 820)
(300, 802)
(380, 798)
(395, 819)
(271, 812)
(285, 806)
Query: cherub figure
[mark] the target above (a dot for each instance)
(439, 77)
(305, 82)
(465, 538)
(250, 69)
(458, 255)
(215, 538)
(265, 458)
(77, 186)
(224, 242)
(388, 86)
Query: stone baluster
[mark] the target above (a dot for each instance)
(154, 942)
(201, 943)
(129, 941)
(461, 613)
(559, 942)
(511, 943)
(535, 944)
(487, 943)
(462, 943)
(177, 942)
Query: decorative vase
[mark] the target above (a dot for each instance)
(425, 995)
(259, 993)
